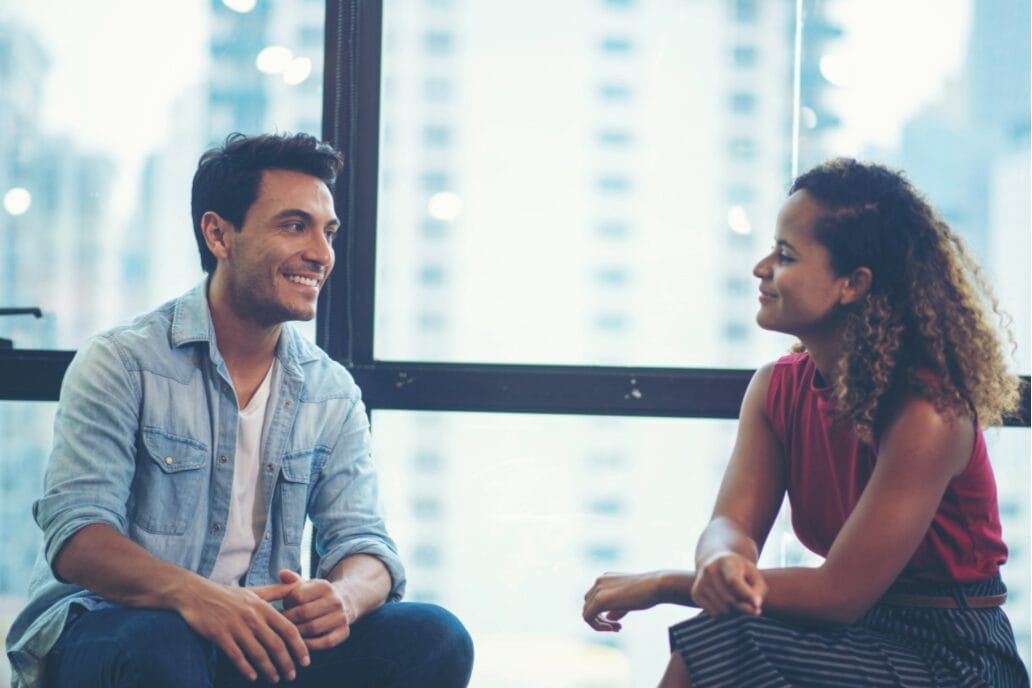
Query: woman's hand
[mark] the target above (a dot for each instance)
(729, 581)
(615, 594)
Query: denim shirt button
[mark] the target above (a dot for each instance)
(216, 527)
(169, 460)
(223, 459)
(268, 467)
(287, 403)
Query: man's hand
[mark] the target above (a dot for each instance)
(321, 613)
(249, 630)
(729, 581)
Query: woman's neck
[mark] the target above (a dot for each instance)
(825, 353)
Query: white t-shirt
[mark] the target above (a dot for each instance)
(246, 521)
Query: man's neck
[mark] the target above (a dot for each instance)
(247, 347)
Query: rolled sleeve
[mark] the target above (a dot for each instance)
(91, 466)
(345, 507)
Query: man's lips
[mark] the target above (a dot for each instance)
(304, 280)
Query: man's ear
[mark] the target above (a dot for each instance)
(856, 286)
(215, 228)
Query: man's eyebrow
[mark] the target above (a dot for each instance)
(304, 215)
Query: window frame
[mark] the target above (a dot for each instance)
(345, 316)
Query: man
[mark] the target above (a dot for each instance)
(190, 445)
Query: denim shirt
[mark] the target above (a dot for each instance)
(144, 441)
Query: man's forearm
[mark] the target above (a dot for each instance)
(363, 581)
(105, 562)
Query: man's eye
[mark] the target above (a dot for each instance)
(296, 226)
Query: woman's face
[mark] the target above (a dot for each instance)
(799, 292)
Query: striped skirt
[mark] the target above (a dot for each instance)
(888, 646)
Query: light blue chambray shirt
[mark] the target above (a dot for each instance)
(144, 441)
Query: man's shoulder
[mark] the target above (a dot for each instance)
(143, 343)
(147, 330)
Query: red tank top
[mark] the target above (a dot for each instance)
(829, 466)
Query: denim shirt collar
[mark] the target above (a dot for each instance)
(192, 323)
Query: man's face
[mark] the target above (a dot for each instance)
(281, 256)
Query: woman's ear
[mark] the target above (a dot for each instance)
(856, 286)
(214, 228)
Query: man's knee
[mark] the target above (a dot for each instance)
(454, 647)
(431, 644)
(131, 647)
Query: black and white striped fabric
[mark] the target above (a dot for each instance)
(889, 646)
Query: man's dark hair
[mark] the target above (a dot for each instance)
(228, 176)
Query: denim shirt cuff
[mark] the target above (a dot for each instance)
(374, 548)
(73, 523)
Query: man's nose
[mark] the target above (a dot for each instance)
(320, 250)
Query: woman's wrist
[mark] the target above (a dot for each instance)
(675, 587)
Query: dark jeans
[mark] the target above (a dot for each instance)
(400, 645)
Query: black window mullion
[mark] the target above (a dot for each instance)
(351, 113)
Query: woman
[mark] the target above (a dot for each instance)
(872, 427)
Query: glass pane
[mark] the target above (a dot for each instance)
(590, 189)
(595, 188)
(948, 102)
(26, 430)
(99, 138)
(508, 519)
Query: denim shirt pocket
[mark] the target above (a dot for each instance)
(169, 480)
(296, 474)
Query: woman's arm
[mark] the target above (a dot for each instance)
(748, 502)
(921, 451)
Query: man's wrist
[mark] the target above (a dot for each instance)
(178, 594)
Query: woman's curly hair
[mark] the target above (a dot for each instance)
(925, 327)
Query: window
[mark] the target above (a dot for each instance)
(613, 184)
(617, 45)
(438, 43)
(614, 137)
(504, 245)
(744, 56)
(436, 136)
(432, 275)
(743, 103)
(742, 149)
(615, 92)
(434, 182)
(746, 11)
(611, 276)
(437, 90)
(613, 229)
